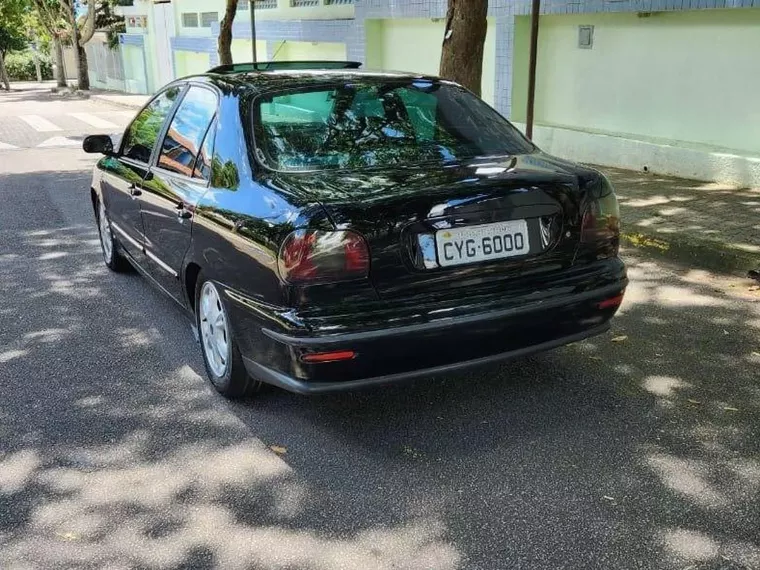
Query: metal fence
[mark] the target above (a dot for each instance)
(105, 66)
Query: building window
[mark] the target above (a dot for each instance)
(189, 20)
(208, 18)
(244, 5)
(337, 2)
(585, 37)
(301, 3)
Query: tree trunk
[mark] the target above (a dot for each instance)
(60, 71)
(4, 73)
(225, 33)
(462, 53)
(83, 75)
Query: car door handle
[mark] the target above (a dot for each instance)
(183, 213)
(134, 191)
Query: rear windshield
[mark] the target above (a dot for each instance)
(358, 125)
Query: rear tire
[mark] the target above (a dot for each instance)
(221, 356)
(112, 256)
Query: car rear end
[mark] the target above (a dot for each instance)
(436, 266)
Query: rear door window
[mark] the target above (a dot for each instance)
(182, 143)
(144, 131)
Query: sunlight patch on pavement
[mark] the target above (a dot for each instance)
(9, 355)
(687, 477)
(16, 469)
(691, 545)
(672, 296)
(664, 386)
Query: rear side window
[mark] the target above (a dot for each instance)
(368, 124)
(142, 134)
(183, 139)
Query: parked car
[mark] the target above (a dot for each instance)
(333, 228)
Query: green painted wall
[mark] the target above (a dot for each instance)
(688, 76)
(296, 51)
(241, 51)
(415, 45)
(190, 63)
(521, 52)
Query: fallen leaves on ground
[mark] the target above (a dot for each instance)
(695, 402)
(621, 338)
(279, 449)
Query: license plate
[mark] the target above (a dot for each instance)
(458, 246)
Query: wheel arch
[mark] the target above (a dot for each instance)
(94, 198)
(192, 270)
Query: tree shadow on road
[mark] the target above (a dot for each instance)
(115, 452)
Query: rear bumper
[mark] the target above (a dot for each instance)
(409, 341)
(291, 384)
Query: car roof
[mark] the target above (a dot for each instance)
(279, 79)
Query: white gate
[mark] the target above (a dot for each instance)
(163, 28)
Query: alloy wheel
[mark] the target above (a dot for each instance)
(214, 330)
(104, 228)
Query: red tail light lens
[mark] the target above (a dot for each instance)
(311, 256)
(601, 221)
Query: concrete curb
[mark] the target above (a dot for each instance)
(119, 101)
(705, 254)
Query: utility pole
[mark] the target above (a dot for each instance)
(532, 67)
(253, 27)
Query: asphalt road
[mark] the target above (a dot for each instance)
(636, 452)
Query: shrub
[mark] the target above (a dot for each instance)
(20, 66)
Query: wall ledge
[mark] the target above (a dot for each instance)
(732, 167)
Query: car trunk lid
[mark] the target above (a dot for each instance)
(404, 213)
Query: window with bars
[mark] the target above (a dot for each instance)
(338, 2)
(301, 3)
(208, 18)
(189, 19)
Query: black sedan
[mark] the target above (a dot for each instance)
(330, 229)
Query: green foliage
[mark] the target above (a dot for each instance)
(11, 25)
(20, 66)
(10, 39)
(106, 19)
(224, 175)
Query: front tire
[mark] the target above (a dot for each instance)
(112, 257)
(221, 356)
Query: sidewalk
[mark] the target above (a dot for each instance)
(707, 224)
(120, 99)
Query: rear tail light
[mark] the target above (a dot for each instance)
(615, 301)
(601, 220)
(313, 256)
